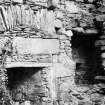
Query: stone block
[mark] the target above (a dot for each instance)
(83, 24)
(71, 7)
(60, 15)
(69, 33)
(90, 1)
(18, 1)
(62, 47)
(43, 103)
(102, 37)
(62, 43)
(104, 3)
(102, 48)
(36, 45)
(103, 63)
(62, 50)
(16, 103)
(58, 23)
(79, 0)
(91, 31)
(101, 9)
(100, 18)
(52, 3)
(100, 77)
(25, 103)
(100, 43)
(103, 55)
(62, 37)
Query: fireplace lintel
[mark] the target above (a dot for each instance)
(27, 64)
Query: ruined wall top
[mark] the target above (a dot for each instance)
(79, 15)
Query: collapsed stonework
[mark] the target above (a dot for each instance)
(35, 41)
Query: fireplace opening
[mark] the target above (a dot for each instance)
(25, 83)
(18, 75)
(86, 57)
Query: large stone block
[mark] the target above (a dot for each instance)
(101, 9)
(102, 48)
(53, 3)
(103, 63)
(19, 1)
(100, 18)
(100, 43)
(36, 45)
(103, 55)
(16, 103)
(71, 7)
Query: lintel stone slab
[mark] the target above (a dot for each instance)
(26, 64)
(36, 45)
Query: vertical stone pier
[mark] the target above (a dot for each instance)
(100, 45)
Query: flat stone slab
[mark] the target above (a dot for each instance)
(100, 18)
(26, 64)
(36, 45)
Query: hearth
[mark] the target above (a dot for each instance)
(28, 84)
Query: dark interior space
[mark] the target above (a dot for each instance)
(25, 83)
(16, 76)
(87, 58)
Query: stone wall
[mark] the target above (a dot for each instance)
(53, 85)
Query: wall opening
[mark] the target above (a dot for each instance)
(25, 83)
(84, 54)
(18, 75)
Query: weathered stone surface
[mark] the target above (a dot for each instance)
(62, 71)
(16, 103)
(101, 9)
(91, 31)
(69, 33)
(66, 61)
(28, 15)
(103, 55)
(25, 45)
(103, 63)
(71, 7)
(27, 103)
(58, 23)
(19, 1)
(100, 18)
(63, 37)
(90, 1)
(100, 43)
(102, 48)
(53, 3)
(79, 29)
(102, 37)
(41, 89)
(100, 77)
(79, 0)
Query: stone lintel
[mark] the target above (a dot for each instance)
(26, 64)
